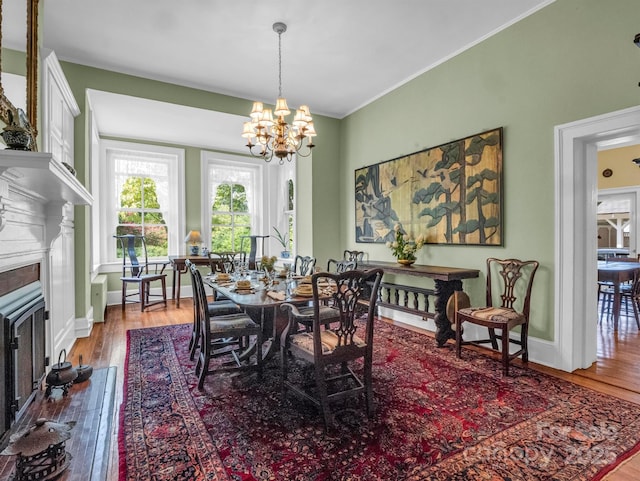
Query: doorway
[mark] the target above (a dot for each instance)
(576, 193)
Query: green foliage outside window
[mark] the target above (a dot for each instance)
(230, 218)
(140, 214)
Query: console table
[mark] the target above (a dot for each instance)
(447, 280)
(179, 268)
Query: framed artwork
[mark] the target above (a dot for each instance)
(451, 193)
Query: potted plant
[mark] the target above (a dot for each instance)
(284, 241)
(404, 247)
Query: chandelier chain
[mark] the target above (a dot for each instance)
(279, 64)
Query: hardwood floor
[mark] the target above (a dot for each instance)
(615, 373)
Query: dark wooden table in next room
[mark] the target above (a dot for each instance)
(616, 273)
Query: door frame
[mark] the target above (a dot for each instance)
(576, 193)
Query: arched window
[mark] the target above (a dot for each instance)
(241, 198)
(230, 218)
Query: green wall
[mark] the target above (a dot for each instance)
(316, 174)
(571, 60)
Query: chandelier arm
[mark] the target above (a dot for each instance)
(266, 154)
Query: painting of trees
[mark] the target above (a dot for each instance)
(452, 193)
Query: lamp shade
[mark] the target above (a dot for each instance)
(193, 237)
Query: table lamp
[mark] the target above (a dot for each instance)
(193, 239)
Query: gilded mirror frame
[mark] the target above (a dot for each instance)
(8, 112)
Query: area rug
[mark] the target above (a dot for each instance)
(437, 418)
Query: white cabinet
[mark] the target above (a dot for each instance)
(59, 108)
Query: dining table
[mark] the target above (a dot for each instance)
(617, 273)
(262, 302)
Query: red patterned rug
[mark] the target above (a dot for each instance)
(437, 418)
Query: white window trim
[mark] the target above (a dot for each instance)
(107, 223)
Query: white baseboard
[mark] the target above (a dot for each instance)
(84, 325)
(540, 351)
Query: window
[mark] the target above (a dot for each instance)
(230, 218)
(139, 211)
(285, 202)
(144, 196)
(232, 188)
(290, 213)
(242, 196)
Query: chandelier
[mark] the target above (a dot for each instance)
(277, 137)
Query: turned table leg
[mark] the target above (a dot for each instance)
(443, 291)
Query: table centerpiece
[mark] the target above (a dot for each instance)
(404, 247)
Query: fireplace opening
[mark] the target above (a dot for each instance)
(22, 342)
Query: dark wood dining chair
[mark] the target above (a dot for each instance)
(236, 330)
(341, 265)
(333, 349)
(215, 308)
(138, 270)
(304, 265)
(352, 255)
(217, 259)
(506, 279)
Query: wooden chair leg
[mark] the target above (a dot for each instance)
(368, 383)
(505, 351)
(124, 294)
(259, 354)
(321, 385)
(636, 314)
(524, 339)
(492, 336)
(284, 368)
(198, 365)
(143, 296)
(458, 338)
(204, 366)
(195, 336)
(163, 280)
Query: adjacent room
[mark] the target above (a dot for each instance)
(315, 241)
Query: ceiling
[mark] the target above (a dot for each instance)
(337, 55)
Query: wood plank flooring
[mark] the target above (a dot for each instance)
(615, 373)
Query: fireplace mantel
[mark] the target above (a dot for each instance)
(40, 175)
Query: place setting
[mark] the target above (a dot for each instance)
(243, 286)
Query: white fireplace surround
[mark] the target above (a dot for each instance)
(37, 198)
